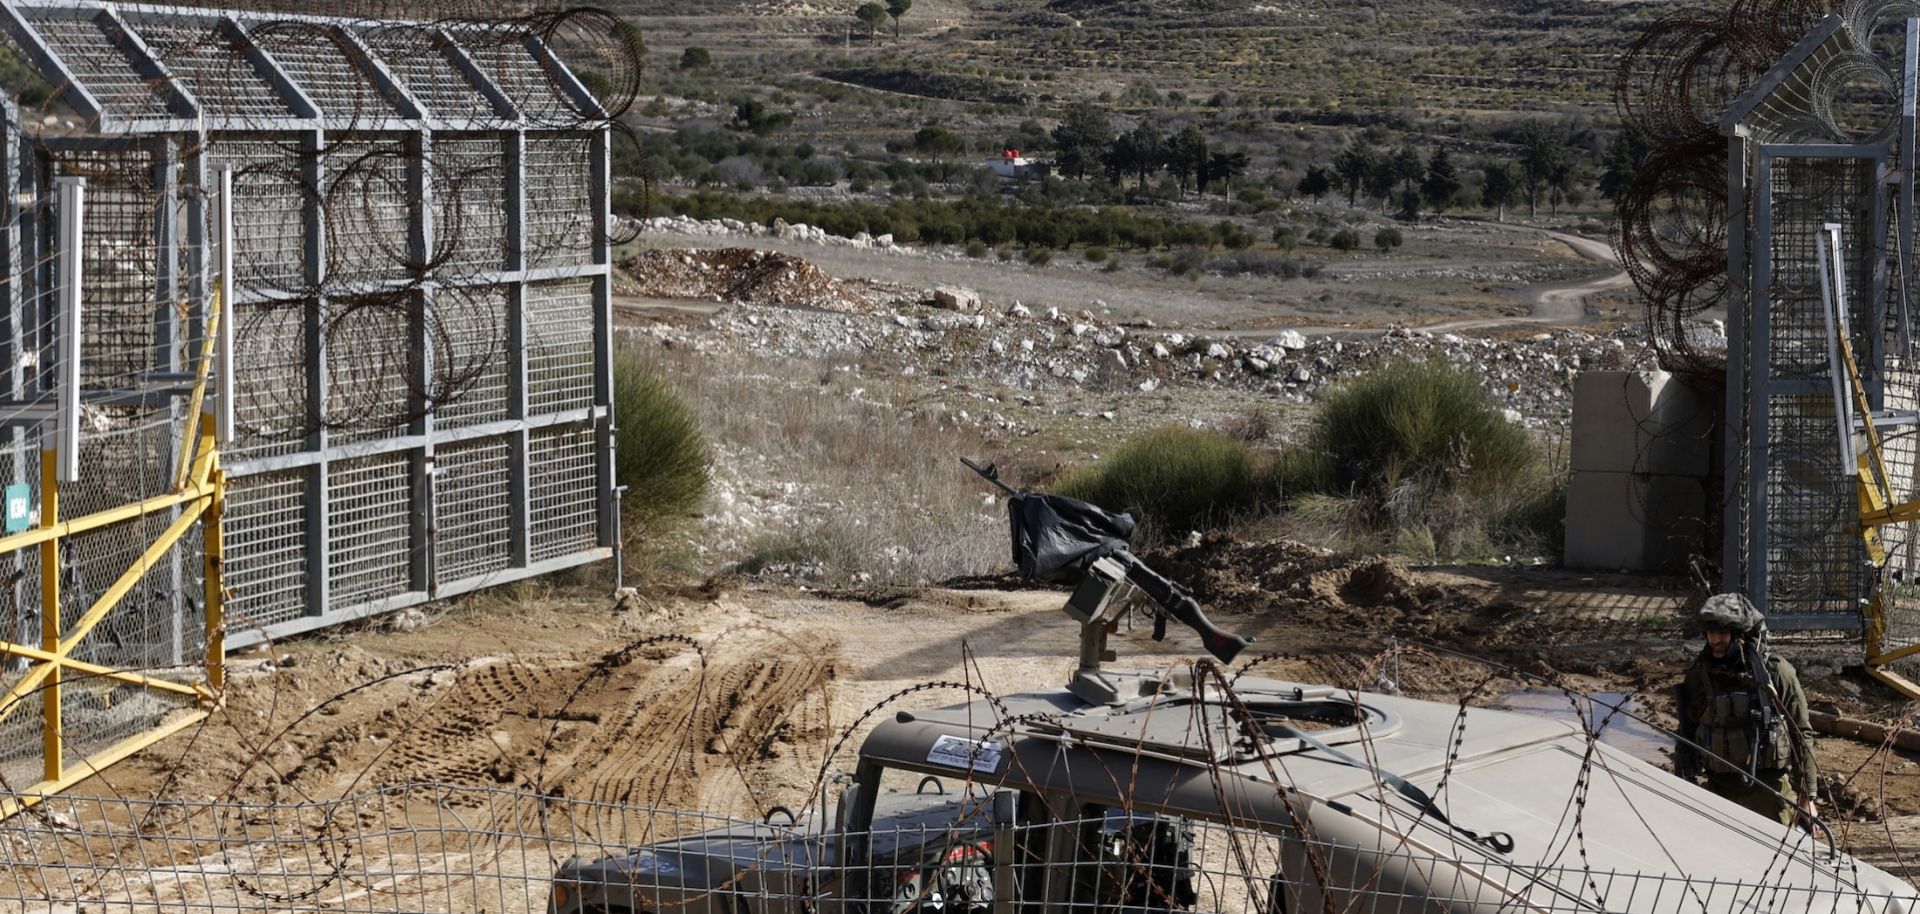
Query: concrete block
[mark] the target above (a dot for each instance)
(1634, 521)
(1640, 422)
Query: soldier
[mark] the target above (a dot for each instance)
(1743, 717)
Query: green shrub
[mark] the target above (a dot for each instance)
(1345, 240)
(696, 58)
(1176, 479)
(663, 456)
(1421, 456)
(1039, 256)
(976, 250)
(1388, 238)
(1094, 254)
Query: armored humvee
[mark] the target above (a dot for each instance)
(1188, 790)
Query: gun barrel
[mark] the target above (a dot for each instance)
(1176, 601)
(991, 473)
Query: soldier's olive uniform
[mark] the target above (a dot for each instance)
(1719, 700)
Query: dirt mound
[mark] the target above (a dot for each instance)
(737, 275)
(1326, 591)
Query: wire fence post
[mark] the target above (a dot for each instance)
(73, 198)
(50, 616)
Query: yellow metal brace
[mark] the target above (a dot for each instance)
(1875, 491)
(200, 495)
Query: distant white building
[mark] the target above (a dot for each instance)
(1011, 164)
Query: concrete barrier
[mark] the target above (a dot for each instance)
(1639, 422)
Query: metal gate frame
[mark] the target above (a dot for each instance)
(1753, 526)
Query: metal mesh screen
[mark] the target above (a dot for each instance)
(268, 214)
(99, 64)
(505, 60)
(370, 372)
(559, 346)
(473, 509)
(266, 550)
(559, 200)
(417, 58)
(370, 212)
(470, 366)
(20, 763)
(324, 63)
(370, 506)
(222, 79)
(1815, 562)
(271, 415)
(560, 479)
(470, 207)
(121, 297)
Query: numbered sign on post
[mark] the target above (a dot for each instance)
(18, 504)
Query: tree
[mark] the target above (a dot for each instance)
(1406, 167)
(871, 15)
(1138, 152)
(1187, 154)
(940, 144)
(1499, 187)
(1315, 183)
(754, 117)
(1624, 156)
(1409, 204)
(1222, 167)
(1084, 136)
(1380, 182)
(1442, 183)
(1545, 162)
(1030, 136)
(896, 9)
(696, 58)
(1353, 164)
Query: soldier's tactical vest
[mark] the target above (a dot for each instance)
(1729, 730)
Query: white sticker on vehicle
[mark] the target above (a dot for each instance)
(954, 752)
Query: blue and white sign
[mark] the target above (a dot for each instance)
(19, 506)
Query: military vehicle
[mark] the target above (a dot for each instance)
(1191, 790)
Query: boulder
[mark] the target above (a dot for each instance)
(955, 298)
(1289, 339)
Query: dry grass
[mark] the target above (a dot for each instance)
(820, 473)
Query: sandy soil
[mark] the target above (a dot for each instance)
(731, 701)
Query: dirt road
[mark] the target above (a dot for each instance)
(1450, 272)
(1554, 304)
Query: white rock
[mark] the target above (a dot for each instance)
(1258, 365)
(1026, 345)
(956, 298)
(1019, 310)
(1513, 416)
(1078, 330)
(1149, 386)
(1289, 339)
(1218, 351)
(1300, 375)
(1160, 351)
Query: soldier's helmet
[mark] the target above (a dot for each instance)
(1730, 611)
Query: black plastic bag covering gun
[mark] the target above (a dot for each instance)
(1054, 534)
